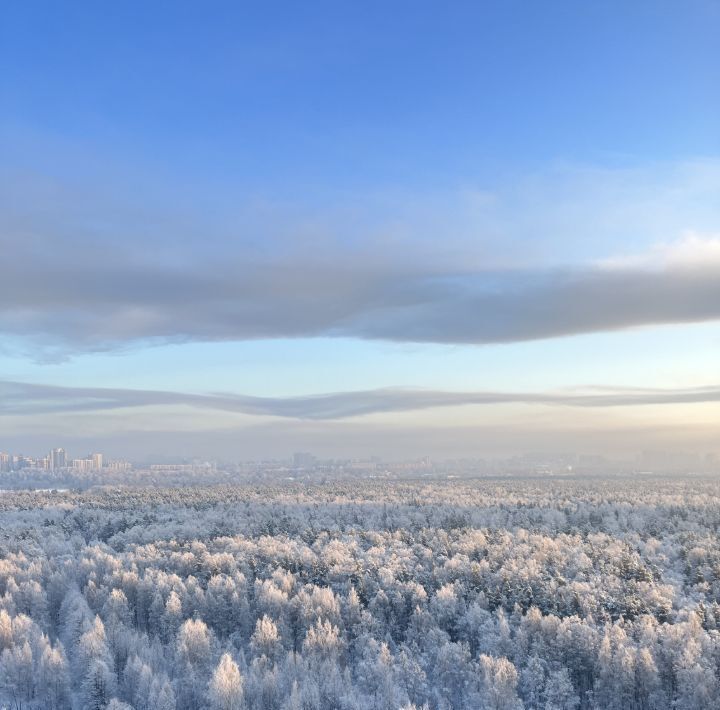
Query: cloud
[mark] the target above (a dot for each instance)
(108, 301)
(106, 305)
(86, 273)
(20, 398)
(692, 250)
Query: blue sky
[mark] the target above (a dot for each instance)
(287, 200)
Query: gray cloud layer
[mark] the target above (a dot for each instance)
(18, 398)
(84, 271)
(107, 305)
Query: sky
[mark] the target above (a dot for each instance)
(382, 228)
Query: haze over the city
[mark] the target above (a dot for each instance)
(243, 231)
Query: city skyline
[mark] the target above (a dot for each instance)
(59, 467)
(242, 233)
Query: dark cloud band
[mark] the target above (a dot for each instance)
(106, 307)
(18, 398)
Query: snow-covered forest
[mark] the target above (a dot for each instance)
(553, 595)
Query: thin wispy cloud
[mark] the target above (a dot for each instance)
(691, 251)
(21, 398)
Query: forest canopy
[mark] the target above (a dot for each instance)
(362, 595)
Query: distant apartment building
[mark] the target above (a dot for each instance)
(92, 462)
(303, 459)
(58, 459)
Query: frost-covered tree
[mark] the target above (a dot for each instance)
(559, 692)
(499, 684)
(16, 673)
(226, 685)
(53, 678)
(265, 640)
(98, 686)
